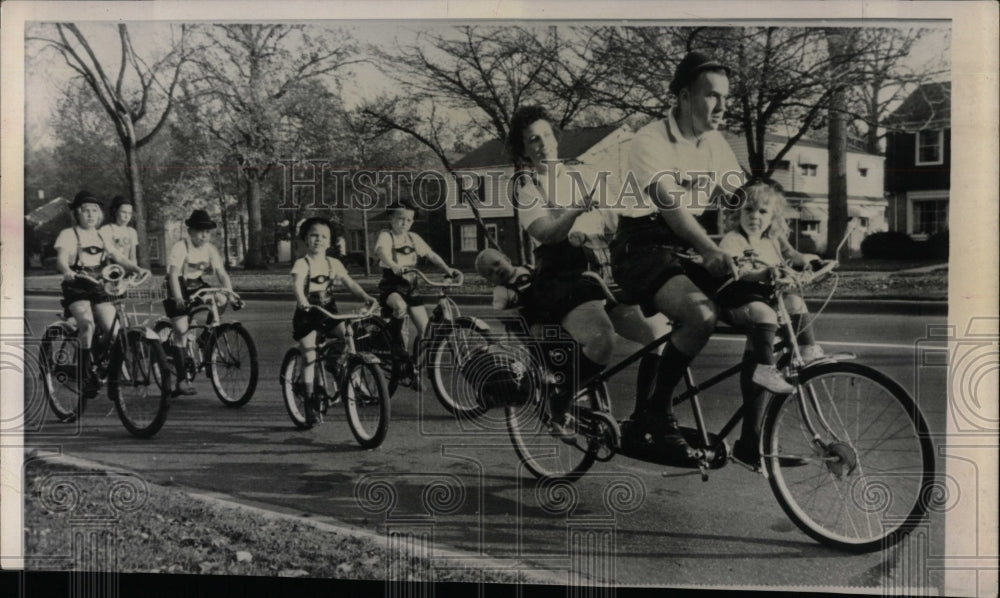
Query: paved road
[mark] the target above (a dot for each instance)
(463, 488)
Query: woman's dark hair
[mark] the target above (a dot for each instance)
(308, 223)
(522, 119)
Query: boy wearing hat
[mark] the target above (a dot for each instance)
(82, 251)
(681, 162)
(121, 234)
(188, 261)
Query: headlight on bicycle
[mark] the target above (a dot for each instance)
(498, 377)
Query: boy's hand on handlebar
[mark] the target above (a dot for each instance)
(453, 273)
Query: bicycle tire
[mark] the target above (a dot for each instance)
(444, 357)
(372, 335)
(877, 485)
(136, 384)
(60, 374)
(288, 378)
(546, 457)
(226, 362)
(366, 398)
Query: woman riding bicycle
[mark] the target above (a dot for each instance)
(121, 234)
(564, 250)
(188, 261)
(82, 250)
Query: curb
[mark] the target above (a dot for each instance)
(327, 524)
(856, 306)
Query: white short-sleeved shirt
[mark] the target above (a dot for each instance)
(321, 274)
(124, 238)
(768, 250)
(192, 261)
(89, 239)
(660, 152)
(545, 195)
(405, 249)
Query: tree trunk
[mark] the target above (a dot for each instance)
(837, 135)
(254, 258)
(138, 199)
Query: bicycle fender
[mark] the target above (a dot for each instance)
(147, 332)
(369, 358)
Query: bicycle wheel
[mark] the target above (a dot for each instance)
(452, 390)
(135, 383)
(372, 335)
(867, 482)
(366, 400)
(232, 364)
(60, 373)
(544, 455)
(293, 389)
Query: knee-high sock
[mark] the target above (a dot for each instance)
(805, 337)
(762, 340)
(672, 365)
(645, 383)
(754, 400)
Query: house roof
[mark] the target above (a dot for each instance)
(573, 144)
(929, 103)
(739, 144)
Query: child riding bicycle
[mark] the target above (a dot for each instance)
(81, 253)
(756, 226)
(188, 261)
(399, 249)
(314, 276)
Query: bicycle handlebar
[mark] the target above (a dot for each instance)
(782, 275)
(201, 293)
(366, 312)
(117, 286)
(459, 279)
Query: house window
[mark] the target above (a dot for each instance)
(493, 233)
(930, 217)
(863, 171)
(780, 165)
(809, 226)
(930, 147)
(234, 249)
(468, 237)
(807, 169)
(154, 248)
(862, 221)
(357, 242)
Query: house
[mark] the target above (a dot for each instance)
(803, 173)
(604, 147)
(918, 161)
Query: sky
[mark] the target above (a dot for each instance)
(47, 74)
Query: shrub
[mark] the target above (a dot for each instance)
(936, 246)
(889, 245)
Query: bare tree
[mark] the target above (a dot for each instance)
(139, 90)
(841, 47)
(255, 89)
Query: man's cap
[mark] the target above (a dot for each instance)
(690, 67)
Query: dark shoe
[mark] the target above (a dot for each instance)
(673, 443)
(746, 453)
(184, 387)
(312, 404)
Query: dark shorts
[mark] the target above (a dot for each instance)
(643, 260)
(304, 322)
(82, 290)
(390, 284)
(554, 297)
(177, 307)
